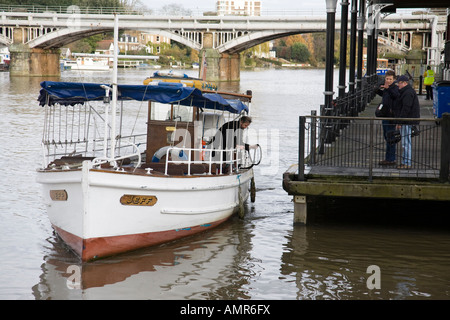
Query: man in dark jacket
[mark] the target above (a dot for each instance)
(389, 93)
(407, 106)
(230, 136)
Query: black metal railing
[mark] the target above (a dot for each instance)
(356, 145)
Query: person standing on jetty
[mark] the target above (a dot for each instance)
(407, 106)
(390, 93)
(428, 79)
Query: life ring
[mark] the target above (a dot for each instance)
(181, 155)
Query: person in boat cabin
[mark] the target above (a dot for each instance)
(230, 136)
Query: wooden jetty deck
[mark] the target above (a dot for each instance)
(347, 164)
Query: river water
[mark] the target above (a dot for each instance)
(263, 256)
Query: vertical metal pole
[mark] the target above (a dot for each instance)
(331, 12)
(343, 48)
(361, 20)
(301, 149)
(114, 87)
(313, 137)
(370, 62)
(371, 136)
(351, 71)
(445, 148)
(375, 55)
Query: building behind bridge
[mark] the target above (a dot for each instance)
(238, 8)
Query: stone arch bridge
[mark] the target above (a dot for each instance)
(34, 39)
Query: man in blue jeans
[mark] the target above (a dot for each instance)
(389, 93)
(407, 106)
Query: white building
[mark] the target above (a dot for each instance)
(136, 40)
(238, 7)
(4, 55)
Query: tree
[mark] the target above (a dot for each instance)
(300, 52)
(175, 10)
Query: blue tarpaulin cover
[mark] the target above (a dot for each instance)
(71, 93)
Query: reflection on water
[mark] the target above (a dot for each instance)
(263, 256)
(332, 262)
(246, 260)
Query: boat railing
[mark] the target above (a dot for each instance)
(233, 161)
(114, 161)
(53, 150)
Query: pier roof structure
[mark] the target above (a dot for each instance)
(414, 3)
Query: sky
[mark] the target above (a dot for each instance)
(276, 5)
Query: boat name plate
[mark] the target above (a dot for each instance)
(138, 200)
(58, 195)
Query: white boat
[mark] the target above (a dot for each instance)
(87, 63)
(116, 179)
(107, 195)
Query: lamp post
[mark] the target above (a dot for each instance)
(351, 72)
(343, 48)
(360, 27)
(331, 12)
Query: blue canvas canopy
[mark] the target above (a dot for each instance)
(71, 93)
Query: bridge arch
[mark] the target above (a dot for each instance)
(252, 39)
(178, 37)
(5, 40)
(62, 37)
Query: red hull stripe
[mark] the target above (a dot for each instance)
(94, 248)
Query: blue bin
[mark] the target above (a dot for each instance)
(441, 98)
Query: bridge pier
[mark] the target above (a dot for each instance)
(229, 67)
(32, 62)
(219, 66)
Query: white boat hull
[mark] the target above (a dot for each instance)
(102, 212)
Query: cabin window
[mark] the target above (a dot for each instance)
(163, 112)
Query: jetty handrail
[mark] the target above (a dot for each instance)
(356, 145)
(372, 118)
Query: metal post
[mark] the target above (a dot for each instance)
(331, 12)
(372, 30)
(343, 48)
(375, 50)
(301, 149)
(313, 137)
(420, 84)
(361, 20)
(331, 19)
(371, 136)
(370, 58)
(445, 148)
(351, 72)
